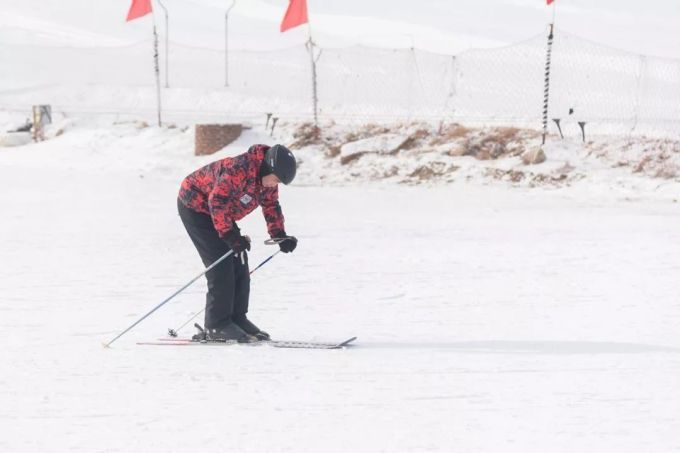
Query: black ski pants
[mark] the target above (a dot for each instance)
(229, 281)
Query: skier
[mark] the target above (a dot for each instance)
(210, 201)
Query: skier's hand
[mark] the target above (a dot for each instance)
(286, 243)
(237, 242)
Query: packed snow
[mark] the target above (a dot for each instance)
(489, 317)
(499, 304)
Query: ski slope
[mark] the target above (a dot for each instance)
(489, 319)
(491, 316)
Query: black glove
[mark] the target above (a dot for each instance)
(237, 242)
(288, 243)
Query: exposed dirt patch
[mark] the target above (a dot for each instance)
(488, 144)
(306, 134)
(432, 170)
(432, 152)
(449, 133)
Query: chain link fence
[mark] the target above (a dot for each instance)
(612, 91)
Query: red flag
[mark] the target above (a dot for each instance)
(138, 8)
(296, 14)
(550, 1)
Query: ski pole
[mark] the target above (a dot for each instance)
(264, 262)
(219, 260)
(173, 332)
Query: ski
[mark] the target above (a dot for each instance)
(308, 344)
(271, 343)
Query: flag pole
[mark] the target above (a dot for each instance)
(554, 9)
(315, 98)
(156, 67)
(296, 14)
(140, 8)
(167, 43)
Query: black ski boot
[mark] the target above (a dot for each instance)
(251, 329)
(229, 332)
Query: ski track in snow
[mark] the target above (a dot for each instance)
(489, 319)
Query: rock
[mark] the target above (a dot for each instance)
(15, 138)
(332, 151)
(497, 150)
(344, 160)
(457, 150)
(534, 156)
(379, 144)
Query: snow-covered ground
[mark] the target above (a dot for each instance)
(500, 306)
(489, 319)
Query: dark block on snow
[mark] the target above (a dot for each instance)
(211, 138)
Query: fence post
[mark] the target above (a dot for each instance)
(546, 87)
(167, 44)
(315, 99)
(157, 71)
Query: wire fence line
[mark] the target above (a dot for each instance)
(612, 91)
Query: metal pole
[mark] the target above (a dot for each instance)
(554, 12)
(315, 99)
(170, 298)
(226, 44)
(546, 87)
(157, 70)
(167, 43)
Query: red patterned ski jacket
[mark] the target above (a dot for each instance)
(230, 188)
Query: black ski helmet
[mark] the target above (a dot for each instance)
(281, 162)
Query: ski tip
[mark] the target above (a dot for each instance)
(347, 342)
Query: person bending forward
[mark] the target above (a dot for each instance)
(210, 201)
